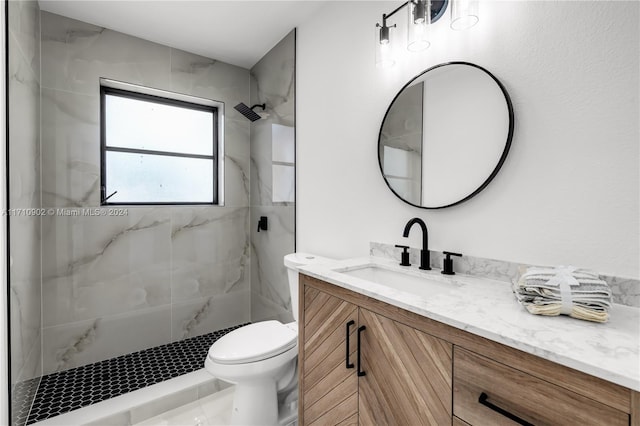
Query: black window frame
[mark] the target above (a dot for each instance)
(107, 90)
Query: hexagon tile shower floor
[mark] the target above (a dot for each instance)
(69, 390)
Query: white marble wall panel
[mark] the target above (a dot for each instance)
(272, 83)
(204, 315)
(24, 184)
(237, 169)
(269, 279)
(210, 252)
(24, 293)
(70, 149)
(208, 78)
(24, 25)
(189, 266)
(25, 250)
(96, 266)
(32, 367)
(263, 309)
(24, 130)
(75, 344)
(261, 163)
(625, 291)
(76, 54)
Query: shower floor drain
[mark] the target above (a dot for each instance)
(76, 388)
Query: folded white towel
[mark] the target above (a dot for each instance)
(579, 293)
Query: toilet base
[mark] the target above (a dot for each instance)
(255, 403)
(257, 385)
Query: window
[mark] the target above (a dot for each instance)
(157, 150)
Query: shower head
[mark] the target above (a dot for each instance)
(249, 112)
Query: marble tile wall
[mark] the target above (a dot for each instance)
(625, 291)
(272, 83)
(116, 284)
(24, 194)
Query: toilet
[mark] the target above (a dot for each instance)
(261, 358)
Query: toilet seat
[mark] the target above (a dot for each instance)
(253, 342)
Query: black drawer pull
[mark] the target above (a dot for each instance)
(349, 364)
(483, 400)
(360, 372)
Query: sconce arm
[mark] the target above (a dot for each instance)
(389, 15)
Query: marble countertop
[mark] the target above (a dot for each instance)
(488, 308)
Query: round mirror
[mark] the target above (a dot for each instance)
(445, 135)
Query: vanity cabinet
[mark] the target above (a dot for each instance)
(508, 395)
(330, 393)
(359, 367)
(407, 374)
(414, 370)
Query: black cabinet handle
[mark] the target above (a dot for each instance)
(483, 400)
(349, 364)
(360, 372)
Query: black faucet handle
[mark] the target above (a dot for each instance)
(447, 264)
(404, 256)
(450, 253)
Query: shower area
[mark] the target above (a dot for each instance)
(90, 288)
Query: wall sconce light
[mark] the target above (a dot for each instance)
(464, 14)
(419, 18)
(421, 14)
(384, 49)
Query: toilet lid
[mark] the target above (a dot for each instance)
(253, 342)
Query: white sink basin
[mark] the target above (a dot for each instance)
(410, 282)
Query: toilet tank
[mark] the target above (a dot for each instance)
(292, 261)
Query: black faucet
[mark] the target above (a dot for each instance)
(424, 253)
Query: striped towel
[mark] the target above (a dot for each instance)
(579, 293)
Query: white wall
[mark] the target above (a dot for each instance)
(569, 190)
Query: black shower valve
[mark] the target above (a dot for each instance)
(263, 223)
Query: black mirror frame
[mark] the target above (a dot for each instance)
(504, 152)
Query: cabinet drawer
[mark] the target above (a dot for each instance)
(521, 395)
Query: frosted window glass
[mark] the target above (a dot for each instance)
(140, 124)
(147, 178)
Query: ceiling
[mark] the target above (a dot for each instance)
(238, 32)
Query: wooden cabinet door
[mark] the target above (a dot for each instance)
(408, 375)
(329, 390)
